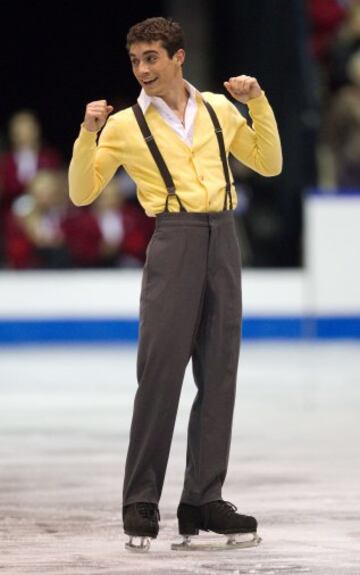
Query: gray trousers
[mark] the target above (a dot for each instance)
(190, 307)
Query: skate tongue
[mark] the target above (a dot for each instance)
(226, 505)
(148, 510)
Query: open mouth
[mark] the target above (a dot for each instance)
(149, 82)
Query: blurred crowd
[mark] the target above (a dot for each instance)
(42, 229)
(335, 45)
(333, 52)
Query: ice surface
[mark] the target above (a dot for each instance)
(65, 414)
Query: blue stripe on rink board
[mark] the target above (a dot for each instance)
(68, 330)
(101, 330)
(273, 328)
(338, 327)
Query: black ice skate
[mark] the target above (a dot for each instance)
(141, 520)
(220, 517)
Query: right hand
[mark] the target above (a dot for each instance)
(96, 115)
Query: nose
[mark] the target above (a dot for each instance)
(143, 68)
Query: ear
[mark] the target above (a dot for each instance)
(180, 56)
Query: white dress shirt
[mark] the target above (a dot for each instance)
(185, 131)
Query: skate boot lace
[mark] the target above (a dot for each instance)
(226, 506)
(148, 510)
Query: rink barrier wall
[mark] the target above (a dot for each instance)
(102, 306)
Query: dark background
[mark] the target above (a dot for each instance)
(59, 56)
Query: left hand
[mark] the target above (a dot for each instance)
(243, 88)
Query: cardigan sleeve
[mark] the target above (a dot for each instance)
(258, 147)
(92, 166)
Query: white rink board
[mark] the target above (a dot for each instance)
(332, 244)
(116, 293)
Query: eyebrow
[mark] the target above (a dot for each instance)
(146, 52)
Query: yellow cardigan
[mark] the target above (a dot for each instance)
(197, 171)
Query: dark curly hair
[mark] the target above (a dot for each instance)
(158, 28)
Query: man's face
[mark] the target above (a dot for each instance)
(153, 68)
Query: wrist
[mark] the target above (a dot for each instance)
(83, 125)
(256, 98)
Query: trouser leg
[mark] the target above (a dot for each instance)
(172, 287)
(215, 362)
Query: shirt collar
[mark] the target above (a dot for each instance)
(144, 100)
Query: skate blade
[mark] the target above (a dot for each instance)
(142, 547)
(234, 541)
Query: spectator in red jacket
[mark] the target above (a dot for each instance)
(112, 232)
(27, 155)
(34, 237)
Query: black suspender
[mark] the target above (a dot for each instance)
(159, 160)
(152, 145)
(220, 139)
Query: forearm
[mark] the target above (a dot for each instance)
(83, 187)
(259, 147)
(91, 166)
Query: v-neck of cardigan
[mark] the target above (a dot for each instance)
(152, 110)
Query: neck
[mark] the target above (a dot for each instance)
(176, 96)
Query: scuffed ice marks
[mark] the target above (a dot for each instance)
(64, 435)
(259, 569)
(217, 568)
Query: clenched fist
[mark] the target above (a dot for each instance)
(96, 115)
(243, 88)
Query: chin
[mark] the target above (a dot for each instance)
(148, 89)
(152, 90)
